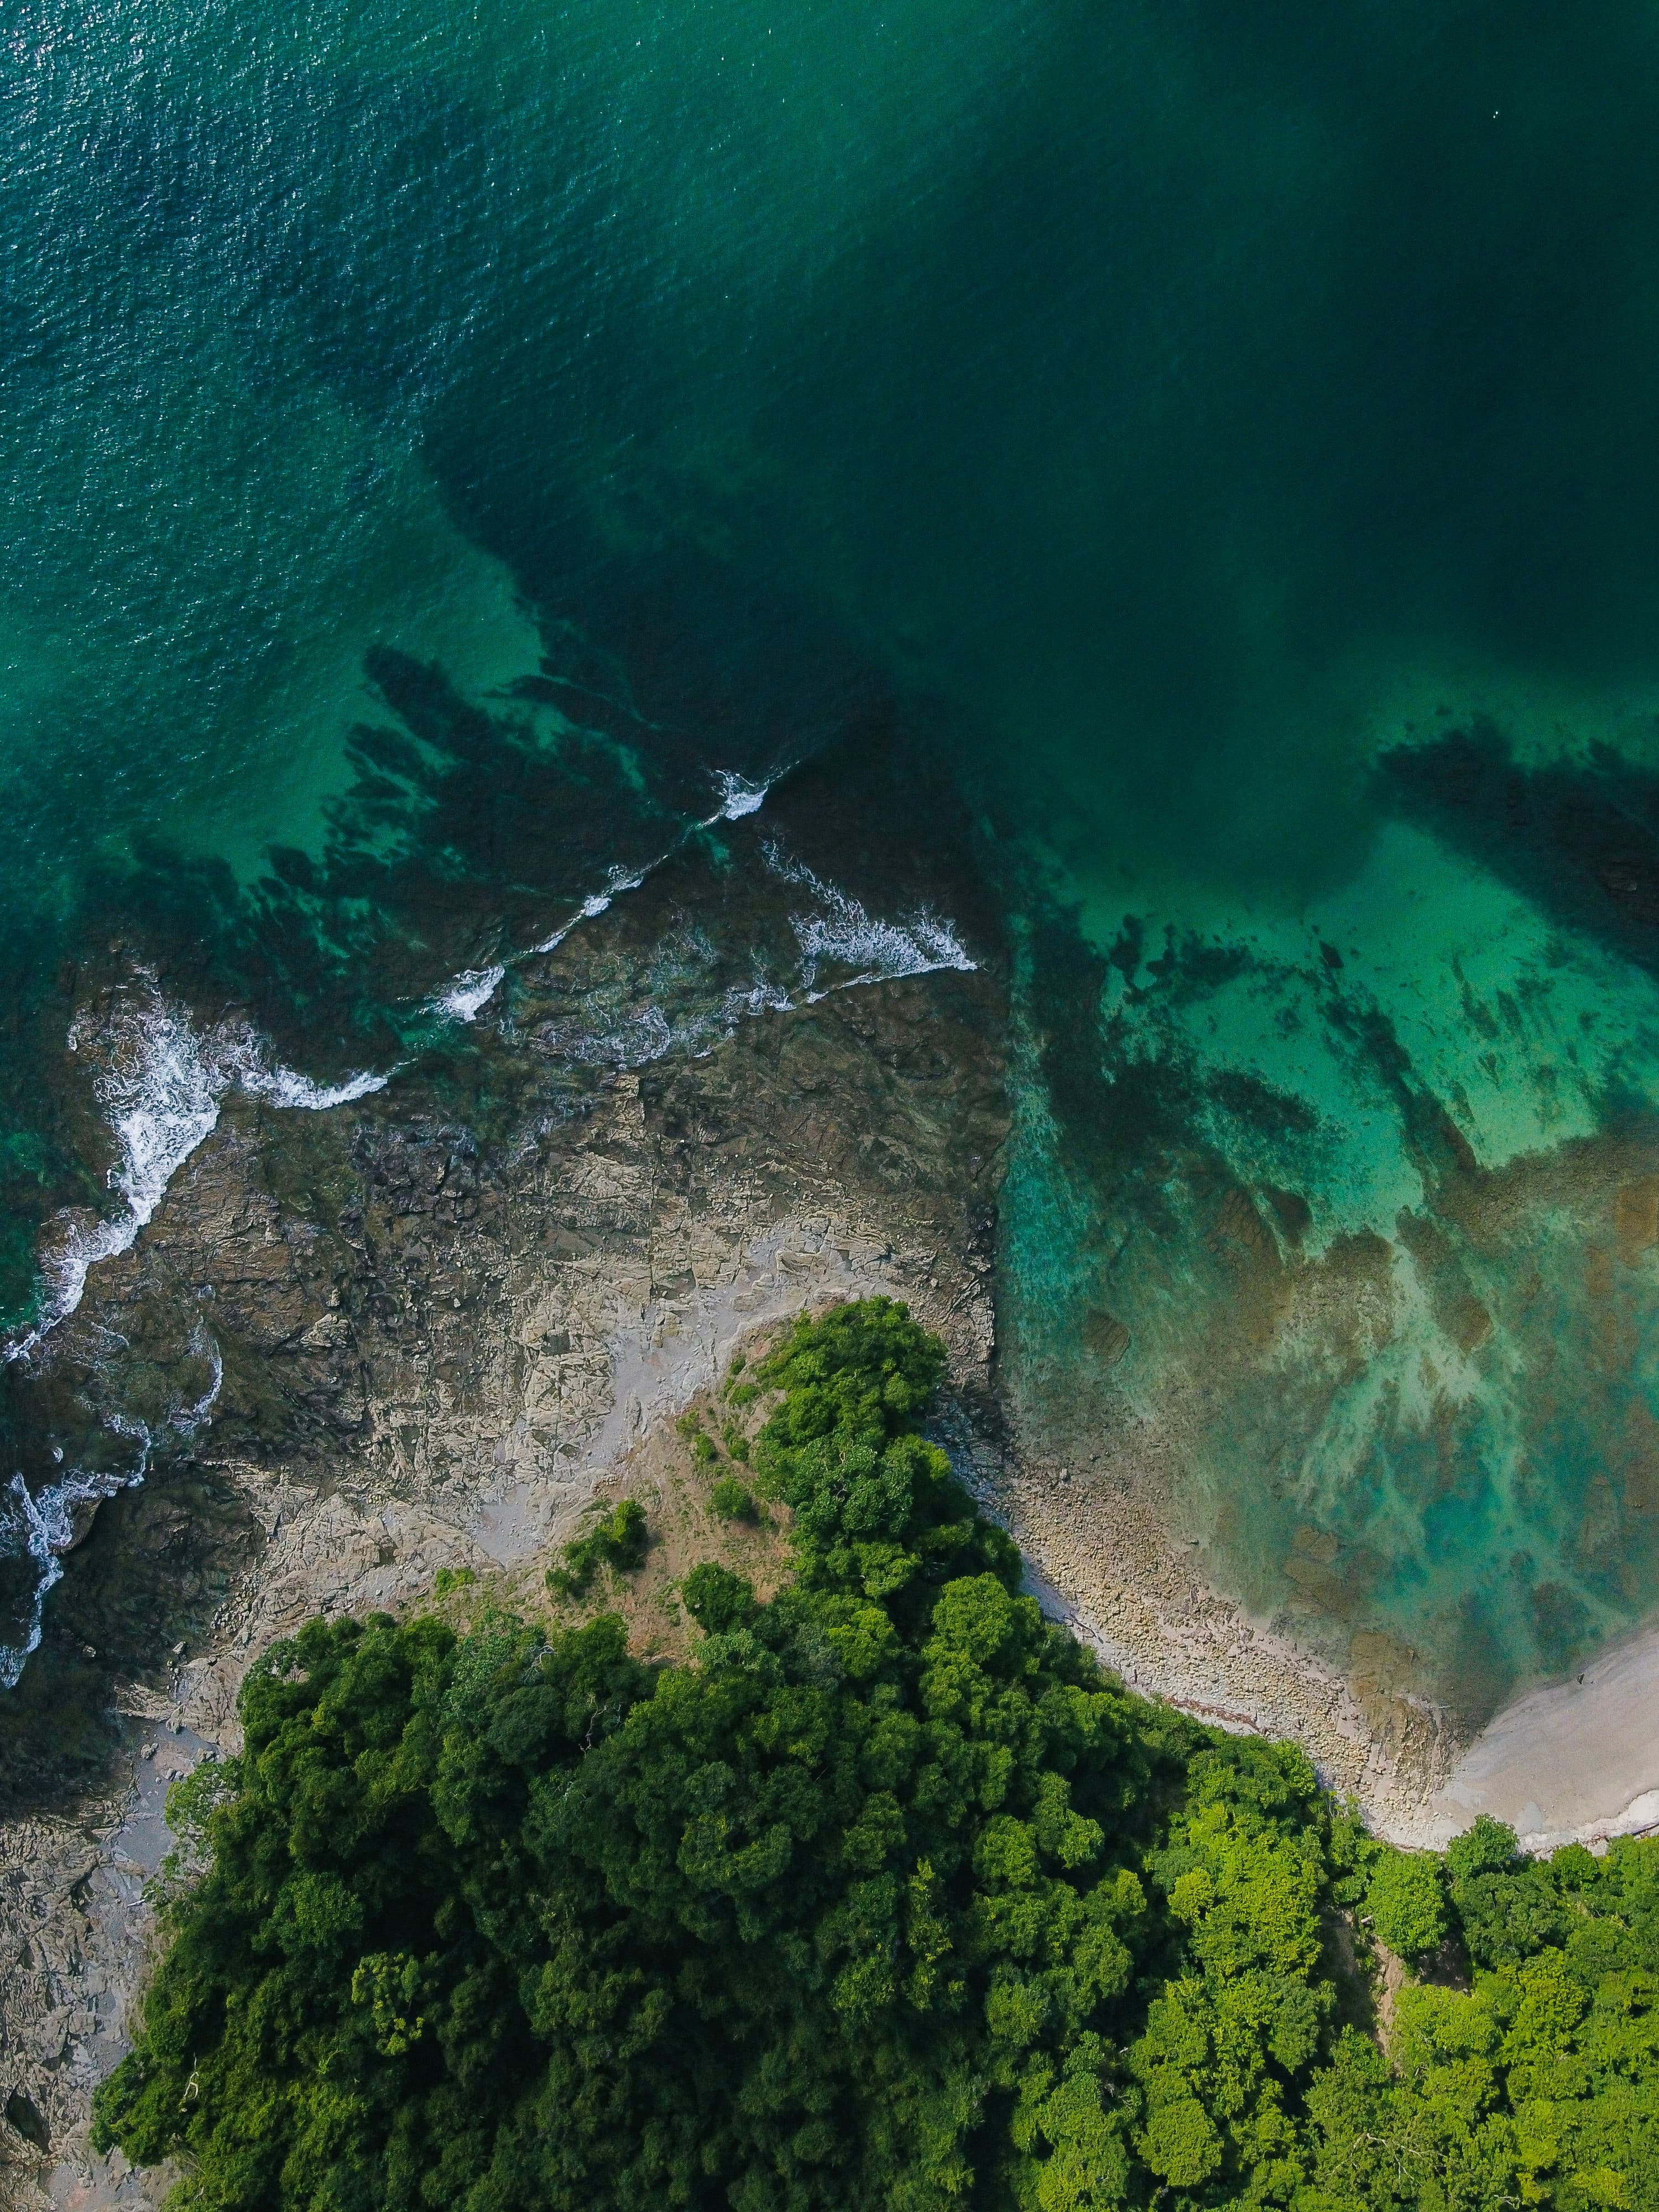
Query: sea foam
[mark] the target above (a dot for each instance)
(161, 1085)
(163, 1081)
(834, 929)
(42, 1525)
(465, 998)
(619, 880)
(468, 995)
(738, 796)
(841, 928)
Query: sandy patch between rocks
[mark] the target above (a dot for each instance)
(1572, 1762)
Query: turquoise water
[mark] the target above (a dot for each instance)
(437, 443)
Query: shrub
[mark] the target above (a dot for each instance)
(1406, 1900)
(619, 1541)
(733, 1500)
(1507, 1905)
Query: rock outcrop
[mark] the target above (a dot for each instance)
(431, 1342)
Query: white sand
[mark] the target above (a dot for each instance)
(1574, 1762)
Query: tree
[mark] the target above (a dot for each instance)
(842, 1914)
(1406, 1900)
(891, 1901)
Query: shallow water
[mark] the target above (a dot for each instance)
(437, 447)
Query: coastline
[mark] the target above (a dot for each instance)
(438, 1360)
(1574, 1761)
(432, 1356)
(1569, 1761)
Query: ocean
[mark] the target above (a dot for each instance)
(454, 456)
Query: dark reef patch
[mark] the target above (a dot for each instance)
(1580, 837)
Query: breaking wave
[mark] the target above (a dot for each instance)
(683, 1006)
(738, 796)
(642, 1034)
(840, 929)
(470, 992)
(465, 998)
(618, 881)
(161, 1082)
(161, 1085)
(165, 1081)
(42, 1525)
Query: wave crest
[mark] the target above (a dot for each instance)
(161, 1085)
(841, 928)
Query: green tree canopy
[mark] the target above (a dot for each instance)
(1406, 1900)
(892, 1898)
(1538, 2085)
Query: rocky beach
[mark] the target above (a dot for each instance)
(434, 1322)
(430, 1356)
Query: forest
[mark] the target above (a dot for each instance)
(889, 1898)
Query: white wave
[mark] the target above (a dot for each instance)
(644, 1034)
(164, 1083)
(841, 928)
(470, 992)
(41, 1525)
(738, 796)
(837, 928)
(42, 1528)
(284, 1087)
(619, 880)
(161, 1093)
(189, 1419)
(161, 1086)
(765, 998)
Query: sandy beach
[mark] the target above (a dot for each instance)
(1572, 1762)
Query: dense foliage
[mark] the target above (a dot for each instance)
(1539, 2085)
(892, 1899)
(618, 1541)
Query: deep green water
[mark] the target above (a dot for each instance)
(435, 441)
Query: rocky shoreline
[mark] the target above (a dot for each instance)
(430, 1351)
(443, 1316)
